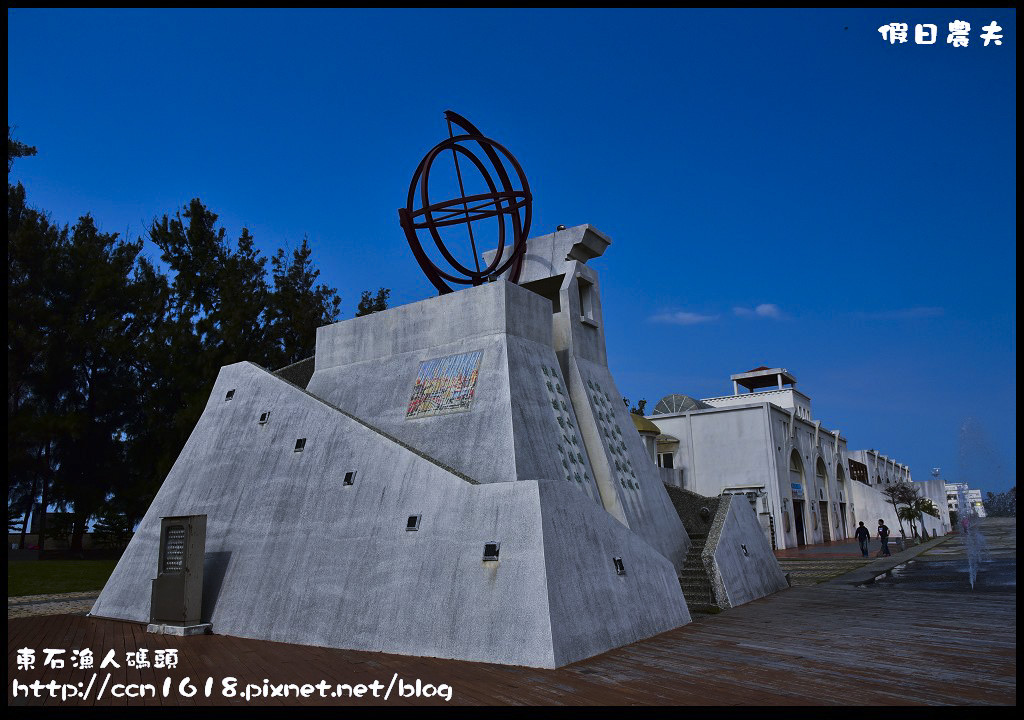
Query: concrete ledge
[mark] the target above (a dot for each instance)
(181, 630)
(881, 567)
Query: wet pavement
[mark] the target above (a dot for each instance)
(946, 566)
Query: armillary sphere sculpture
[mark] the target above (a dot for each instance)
(516, 204)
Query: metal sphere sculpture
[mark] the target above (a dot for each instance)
(511, 204)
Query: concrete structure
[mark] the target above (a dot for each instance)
(455, 478)
(872, 506)
(730, 561)
(972, 497)
(767, 446)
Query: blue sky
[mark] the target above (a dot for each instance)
(782, 187)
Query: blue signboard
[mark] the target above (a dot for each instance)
(798, 491)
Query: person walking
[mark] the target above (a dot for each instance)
(883, 535)
(863, 535)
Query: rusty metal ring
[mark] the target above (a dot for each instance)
(516, 203)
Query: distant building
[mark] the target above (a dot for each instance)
(973, 498)
(762, 442)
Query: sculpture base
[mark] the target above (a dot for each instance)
(182, 630)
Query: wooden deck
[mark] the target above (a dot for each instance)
(899, 643)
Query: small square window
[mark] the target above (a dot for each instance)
(620, 569)
(491, 551)
(230, 394)
(300, 444)
(350, 477)
(264, 418)
(413, 523)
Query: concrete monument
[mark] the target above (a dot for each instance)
(457, 478)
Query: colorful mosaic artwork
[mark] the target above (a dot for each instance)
(444, 385)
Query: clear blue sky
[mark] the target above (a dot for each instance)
(860, 193)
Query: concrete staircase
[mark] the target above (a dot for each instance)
(694, 581)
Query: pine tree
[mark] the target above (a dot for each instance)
(370, 304)
(299, 306)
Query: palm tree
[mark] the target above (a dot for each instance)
(915, 511)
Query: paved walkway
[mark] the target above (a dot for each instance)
(75, 603)
(944, 643)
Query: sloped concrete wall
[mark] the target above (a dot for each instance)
(592, 607)
(741, 557)
(295, 556)
(629, 484)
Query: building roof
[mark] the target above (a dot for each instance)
(644, 426)
(763, 376)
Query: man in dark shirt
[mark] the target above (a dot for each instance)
(863, 535)
(883, 535)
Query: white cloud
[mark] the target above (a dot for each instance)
(768, 310)
(682, 318)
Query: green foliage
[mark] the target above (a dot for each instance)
(15, 518)
(16, 149)
(60, 528)
(300, 306)
(110, 360)
(914, 507)
(371, 304)
(112, 530)
(1002, 505)
(901, 493)
(639, 408)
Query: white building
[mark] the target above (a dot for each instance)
(973, 498)
(766, 444)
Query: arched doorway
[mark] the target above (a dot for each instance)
(841, 484)
(796, 484)
(821, 478)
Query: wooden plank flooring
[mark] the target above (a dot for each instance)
(922, 638)
(807, 645)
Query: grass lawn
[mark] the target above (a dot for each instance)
(57, 576)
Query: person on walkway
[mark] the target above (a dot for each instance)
(883, 535)
(863, 535)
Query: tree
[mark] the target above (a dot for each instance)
(900, 493)
(368, 304)
(1002, 505)
(915, 511)
(113, 529)
(34, 351)
(96, 317)
(16, 149)
(640, 408)
(298, 305)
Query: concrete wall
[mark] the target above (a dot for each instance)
(740, 556)
(293, 555)
(786, 398)
(367, 366)
(882, 469)
(737, 556)
(751, 446)
(628, 483)
(871, 505)
(691, 506)
(544, 460)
